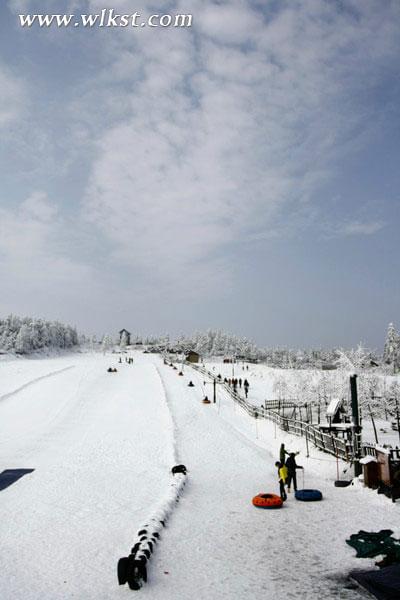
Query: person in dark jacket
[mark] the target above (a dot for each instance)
(291, 467)
(283, 453)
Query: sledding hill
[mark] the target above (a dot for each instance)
(101, 446)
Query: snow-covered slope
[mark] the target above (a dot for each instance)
(102, 445)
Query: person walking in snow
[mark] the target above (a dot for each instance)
(282, 475)
(291, 468)
(246, 386)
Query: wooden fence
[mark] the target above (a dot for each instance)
(323, 441)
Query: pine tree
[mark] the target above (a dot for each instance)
(391, 349)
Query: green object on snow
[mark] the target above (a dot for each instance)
(369, 544)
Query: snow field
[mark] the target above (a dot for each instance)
(101, 460)
(18, 372)
(102, 446)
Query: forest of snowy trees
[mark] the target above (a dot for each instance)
(222, 344)
(24, 335)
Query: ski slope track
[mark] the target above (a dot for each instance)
(149, 533)
(102, 446)
(33, 381)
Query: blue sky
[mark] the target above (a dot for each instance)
(242, 173)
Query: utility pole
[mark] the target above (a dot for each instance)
(355, 425)
(214, 384)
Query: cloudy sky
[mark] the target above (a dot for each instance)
(242, 173)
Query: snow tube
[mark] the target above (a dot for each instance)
(267, 501)
(342, 483)
(308, 495)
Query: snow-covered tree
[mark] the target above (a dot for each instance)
(391, 352)
(23, 334)
(123, 342)
(107, 343)
(23, 341)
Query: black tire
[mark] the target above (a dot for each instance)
(122, 570)
(342, 483)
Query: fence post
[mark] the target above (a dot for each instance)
(308, 453)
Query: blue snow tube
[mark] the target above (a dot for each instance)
(308, 495)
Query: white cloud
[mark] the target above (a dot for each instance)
(38, 206)
(208, 137)
(19, 6)
(359, 228)
(12, 97)
(230, 125)
(29, 248)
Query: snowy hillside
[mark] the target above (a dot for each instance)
(102, 445)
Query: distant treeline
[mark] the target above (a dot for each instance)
(24, 335)
(219, 343)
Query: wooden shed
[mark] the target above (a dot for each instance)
(193, 357)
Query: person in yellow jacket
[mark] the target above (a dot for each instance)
(282, 475)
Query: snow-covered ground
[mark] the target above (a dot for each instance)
(102, 445)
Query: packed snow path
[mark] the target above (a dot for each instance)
(102, 445)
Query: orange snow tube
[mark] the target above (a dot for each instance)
(267, 501)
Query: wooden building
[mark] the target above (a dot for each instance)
(193, 357)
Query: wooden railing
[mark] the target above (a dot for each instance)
(323, 441)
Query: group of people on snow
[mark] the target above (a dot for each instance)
(128, 360)
(287, 470)
(235, 383)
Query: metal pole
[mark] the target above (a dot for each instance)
(337, 464)
(355, 425)
(215, 390)
(373, 424)
(306, 431)
(398, 417)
